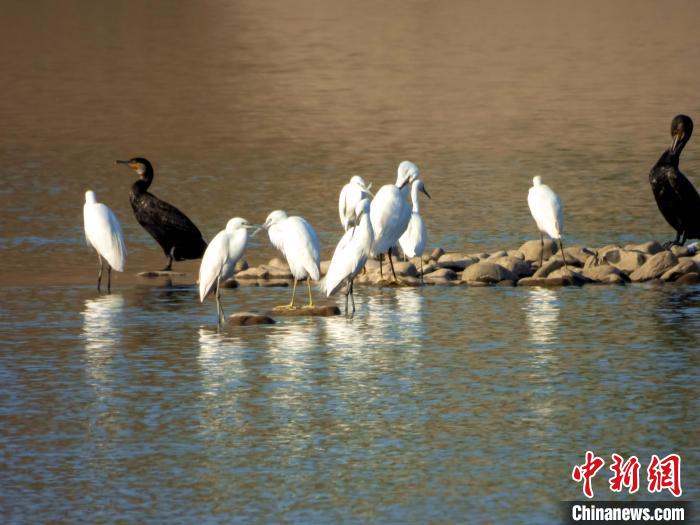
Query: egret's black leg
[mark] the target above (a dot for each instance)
(109, 278)
(347, 293)
(391, 263)
(352, 296)
(562, 253)
(99, 272)
(219, 309)
(541, 248)
(381, 265)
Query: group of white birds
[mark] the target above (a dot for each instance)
(373, 224)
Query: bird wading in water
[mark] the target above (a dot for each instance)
(176, 234)
(677, 198)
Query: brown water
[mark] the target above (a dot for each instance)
(433, 403)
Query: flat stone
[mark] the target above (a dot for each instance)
(249, 318)
(518, 266)
(602, 273)
(626, 260)
(308, 311)
(532, 281)
(531, 250)
(651, 247)
(441, 273)
(496, 255)
(689, 278)
(684, 266)
(437, 253)
(516, 253)
(568, 277)
(655, 267)
(487, 272)
(455, 261)
(548, 267)
(161, 273)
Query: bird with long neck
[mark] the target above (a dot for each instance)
(176, 234)
(414, 238)
(676, 197)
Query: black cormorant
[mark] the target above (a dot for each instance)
(677, 198)
(176, 234)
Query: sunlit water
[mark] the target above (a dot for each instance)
(449, 404)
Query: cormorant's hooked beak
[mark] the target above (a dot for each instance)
(426, 192)
(127, 162)
(677, 137)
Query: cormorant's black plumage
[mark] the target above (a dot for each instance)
(176, 234)
(677, 198)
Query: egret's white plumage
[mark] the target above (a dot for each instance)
(390, 212)
(414, 238)
(546, 209)
(298, 242)
(220, 258)
(350, 254)
(351, 194)
(104, 233)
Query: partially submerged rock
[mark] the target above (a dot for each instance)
(685, 266)
(300, 311)
(160, 273)
(455, 261)
(249, 318)
(654, 267)
(487, 272)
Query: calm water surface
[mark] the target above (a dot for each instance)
(443, 404)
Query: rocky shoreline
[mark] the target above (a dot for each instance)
(611, 264)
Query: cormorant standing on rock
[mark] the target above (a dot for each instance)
(176, 234)
(677, 198)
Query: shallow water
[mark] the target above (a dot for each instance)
(444, 404)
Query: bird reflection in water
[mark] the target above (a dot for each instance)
(542, 314)
(397, 316)
(102, 331)
(221, 359)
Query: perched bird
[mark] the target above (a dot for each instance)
(350, 255)
(104, 233)
(298, 242)
(352, 193)
(677, 198)
(220, 258)
(545, 208)
(390, 213)
(413, 239)
(176, 234)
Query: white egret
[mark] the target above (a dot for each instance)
(298, 242)
(545, 208)
(350, 255)
(104, 233)
(390, 213)
(413, 239)
(351, 194)
(220, 258)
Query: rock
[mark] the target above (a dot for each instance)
(518, 266)
(405, 269)
(496, 255)
(685, 265)
(577, 255)
(531, 250)
(655, 266)
(651, 247)
(275, 272)
(680, 251)
(568, 277)
(409, 280)
(249, 318)
(437, 253)
(689, 278)
(429, 267)
(372, 265)
(314, 311)
(625, 260)
(161, 273)
(241, 265)
(441, 274)
(230, 283)
(506, 282)
(278, 263)
(602, 273)
(614, 278)
(516, 253)
(487, 272)
(256, 272)
(475, 283)
(324, 267)
(548, 267)
(532, 281)
(455, 261)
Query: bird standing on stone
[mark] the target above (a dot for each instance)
(414, 238)
(350, 255)
(298, 242)
(104, 233)
(677, 198)
(351, 194)
(220, 258)
(176, 234)
(545, 208)
(390, 213)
